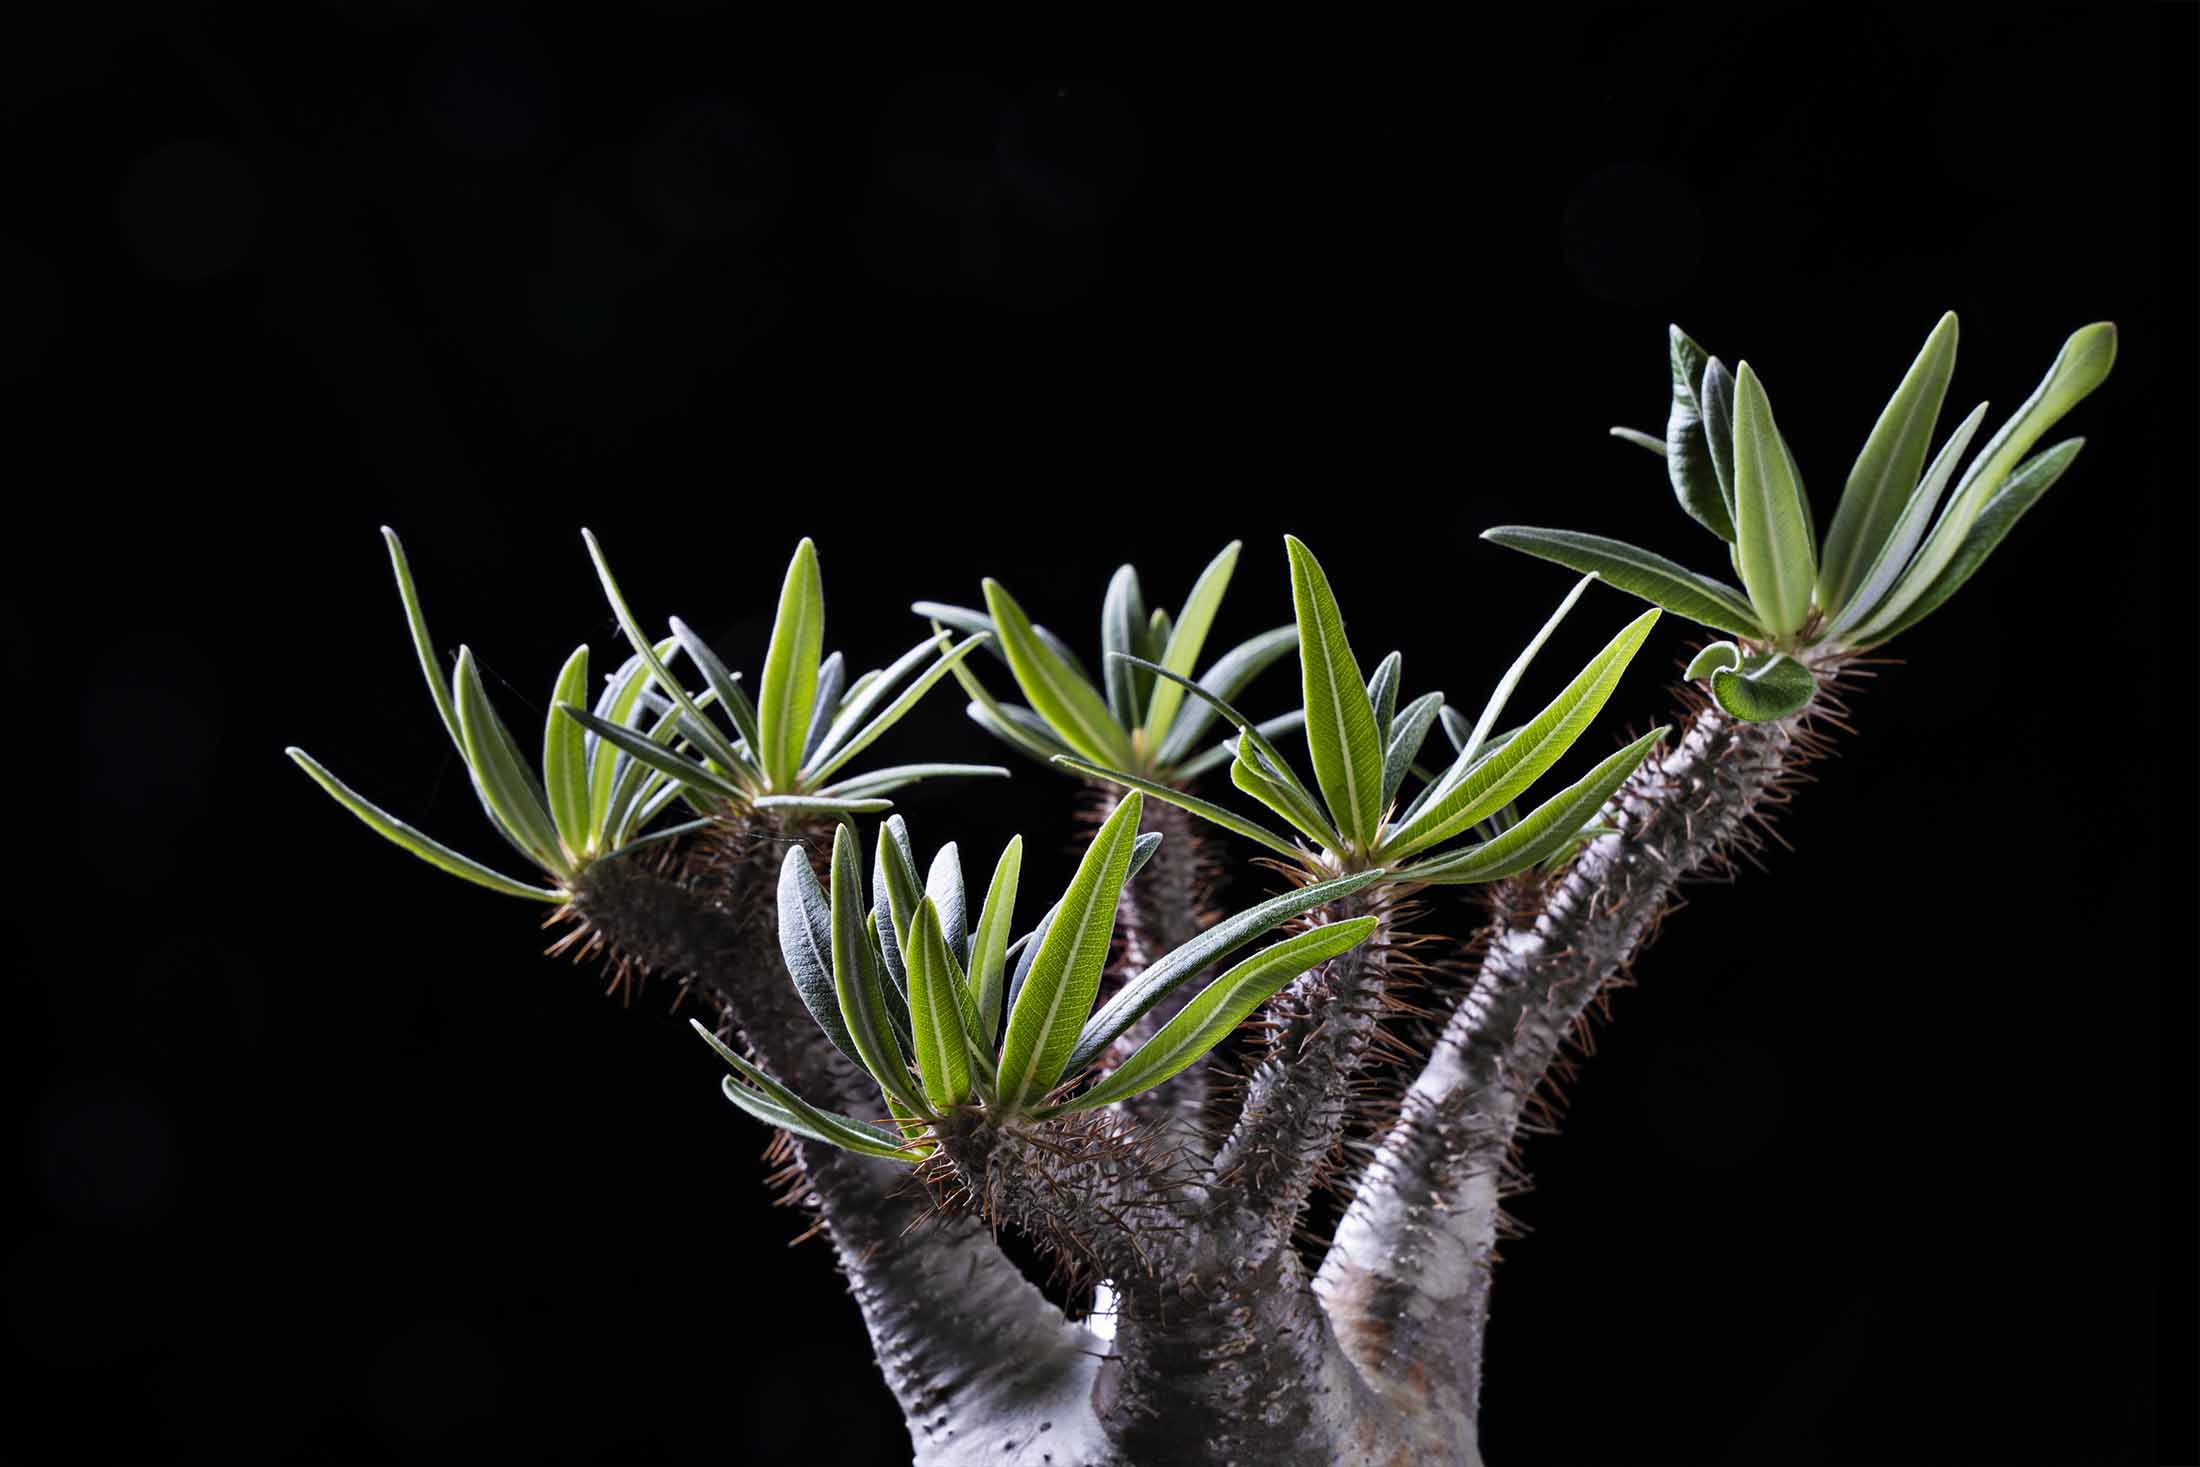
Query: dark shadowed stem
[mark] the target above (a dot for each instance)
(965, 1342)
(1226, 1356)
(1407, 1281)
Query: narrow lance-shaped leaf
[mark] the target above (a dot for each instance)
(727, 686)
(1544, 831)
(1219, 1008)
(789, 688)
(1122, 620)
(1772, 518)
(1222, 753)
(1226, 679)
(1205, 809)
(779, 1106)
(1894, 554)
(714, 745)
(935, 1012)
(1340, 721)
(1060, 693)
(1278, 766)
(1640, 439)
(1382, 692)
(565, 757)
(989, 943)
(1260, 778)
(1181, 652)
(806, 945)
(1687, 451)
(1887, 469)
(1065, 976)
(2082, 365)
(1494, 781)
(617, 705)
(2023, 489)
(1184, 963)
(1715, 399)
(949, 659)
(416, 621)
(426, 847)
(832, 676)
(1502, 694)
(512, 789)
(654, 754)
(1406, 737)
(1652, 577)
(943, 883)
(856, 978)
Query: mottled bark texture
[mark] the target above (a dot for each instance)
(1228, 1349)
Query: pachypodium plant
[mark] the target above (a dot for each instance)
(608, 771)
(938, 1079)
(1143, 721)
(913, 993)
(1364, 746)
(1885, 563)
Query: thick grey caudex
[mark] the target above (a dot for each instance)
(1151, 1084)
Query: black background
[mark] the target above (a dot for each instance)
(1888, 1157)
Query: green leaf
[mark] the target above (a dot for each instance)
(1494, 781)
(727, 686)
(781, 1107)
(862, 996)
(1715, 399)
(1545, 831)
(1340, 721)
(1122, 623)
(897, 710)
(1771, 517)
(1278, 767)
(1184, 963)
(821, 805)
(872, 689)
(1260, 778)
(1060, 694)
(1187, 637)
(989, 944)
(1887, 470)
(1267, 728)
(1894, 555)
(1641, 440)
(428, 849)
(1223, 1005)
(1687, 450)
(1230, 675)
(713, 744)
(962, 619)
(1065, 975)
(1652, 577)
(1763, 688)
(935, 1012)
(513, 791)
(648, 751)
(416, 620)
(1382, 692)
(565, 758)
(1502, 694)
(806, 944)
(1015, 724)
(607, 764)
(789, 689)
(1712, 658)
(832, 676)
(2081, 366)
(2031, 480)
(1407, 735)
(943, 883)
(1229, 820)
(898, 776)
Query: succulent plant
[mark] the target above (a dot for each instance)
(1143, 722)
(609, 770)
(913, 993)
(1879, 570)
(1364, 747)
